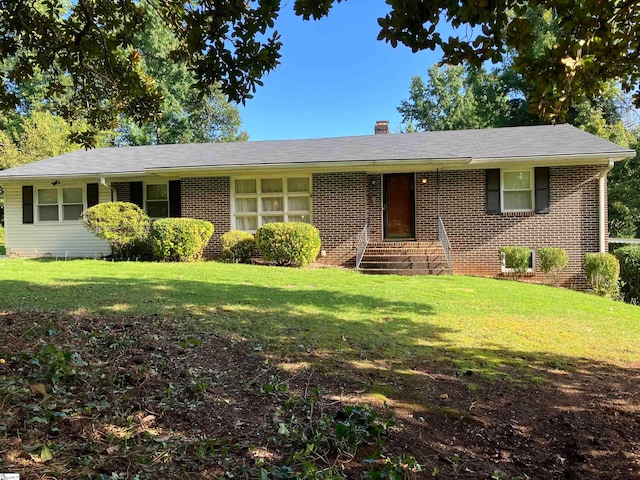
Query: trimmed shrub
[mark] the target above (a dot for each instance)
(552, 261)
(180, 239)
(124, 225)
(237, 246)
(293, 244)
(603, 270)
(629, 258)
(515, 258)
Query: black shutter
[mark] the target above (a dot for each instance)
(27, 204)
(543, 191)
(92, 194)
(175, 204)
(137, 194)
(493, 191)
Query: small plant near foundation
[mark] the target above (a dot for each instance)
(237, 246)
(602, 271)
(180, 239)
(552, 261)
(124, 225)
(516, 260)
(293, 244)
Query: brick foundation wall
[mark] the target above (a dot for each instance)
(208, 199)
(475, 236)
(339, 212)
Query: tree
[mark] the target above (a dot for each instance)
(456, 98)
(185, 116)
(232, 44)
(87, 53)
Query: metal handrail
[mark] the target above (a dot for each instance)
(444, 239)
(361, 246)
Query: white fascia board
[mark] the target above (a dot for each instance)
(88, 177)
(557, 160)
(316, 167)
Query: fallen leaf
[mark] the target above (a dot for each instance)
(444, 396)
(113, 449)
(162, 438)
(38, 389)
(148, 418)
(45, 454)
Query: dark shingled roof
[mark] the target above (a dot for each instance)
(498, 143)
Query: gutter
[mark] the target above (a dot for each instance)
(602, 202)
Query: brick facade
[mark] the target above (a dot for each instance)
(123, 191)
(208, 199)
(342, 202)
(339, 213)
(475, 236)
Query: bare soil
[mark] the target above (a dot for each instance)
(85, 396)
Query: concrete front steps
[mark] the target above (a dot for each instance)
(404, 258)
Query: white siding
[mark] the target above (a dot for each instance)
(56, 239)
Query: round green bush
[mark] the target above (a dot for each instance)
(629, 258)
(180, 239)
(515, 258)
(237, 246)
(293, 244)
(124, 225)
(552, 261)
(602, 271)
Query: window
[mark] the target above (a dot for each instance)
(157, 200)
(530, 268)
(55, 204)
(517, 190)
(258, 201)
(524, 190)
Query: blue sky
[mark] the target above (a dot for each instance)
(335, 79)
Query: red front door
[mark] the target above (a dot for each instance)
(399, 219)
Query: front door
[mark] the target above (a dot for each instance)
(399, 219)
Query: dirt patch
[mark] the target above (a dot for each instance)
(85, 396)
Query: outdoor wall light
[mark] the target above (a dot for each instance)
(56, 183)
(424, 180)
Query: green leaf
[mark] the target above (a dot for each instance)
(45, 454)
(283, 430)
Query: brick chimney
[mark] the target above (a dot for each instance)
(382, 127)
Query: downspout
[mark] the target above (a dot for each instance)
(104, 183)
(602, 202)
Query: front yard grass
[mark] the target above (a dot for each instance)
(207, 370)
(476, 324)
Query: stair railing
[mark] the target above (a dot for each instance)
(444, 239)
(361, 246)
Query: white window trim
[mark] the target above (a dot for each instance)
(59, 204)
(532, 269)
(258, 196)
(531, 187)
(144, 197)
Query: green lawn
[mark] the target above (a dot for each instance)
(345, 319)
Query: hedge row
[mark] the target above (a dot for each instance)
(601, 269)
(293, 244)
(132, 234)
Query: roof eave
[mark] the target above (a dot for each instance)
(369, 166)
(554, 160)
